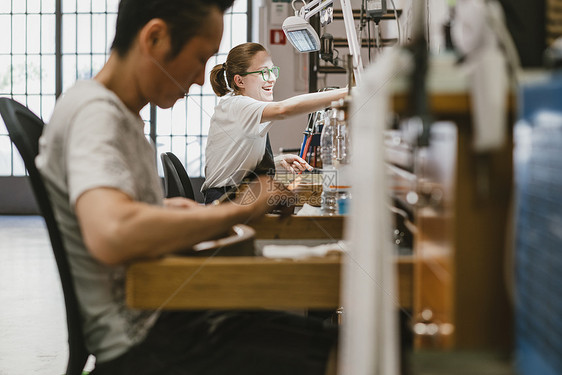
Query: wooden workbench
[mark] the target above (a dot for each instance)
(177, 282)
(272, 227)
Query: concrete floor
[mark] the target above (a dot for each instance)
(32, 318)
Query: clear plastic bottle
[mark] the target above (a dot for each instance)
(329, 195)
(342, 157)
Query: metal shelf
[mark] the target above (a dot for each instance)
(338, 14)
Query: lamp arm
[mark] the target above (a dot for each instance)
(321, 5)
(354, 48)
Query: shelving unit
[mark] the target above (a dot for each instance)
(316, 67)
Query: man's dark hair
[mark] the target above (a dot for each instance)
(185, 18)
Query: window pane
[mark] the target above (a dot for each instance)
(48, 31)
(179, 116)
(84, 5)
(207, 88)
(203, 147)
(226, 43)
(5, 74)
(68, 6)
(34, 104)
(33, 74)
(3, 130)
(48, 70)
(69, 33)
(194, 154)
(98, 6)
(84, 44)
(239, 33)
(48, 107)
(18, 34)
(240, 6)
(5, 33)
(179, 148)
(18, 6)
(5, 6)
(111, 23)
(98, 62)
(33, 6)
(193, 115)
(163, 144)
(18, 74)
(163, 121)
(48, 6)
(112, 5)
(99, 44)
(68, 71)
(33, 34)
(209, 103)
(84, 67)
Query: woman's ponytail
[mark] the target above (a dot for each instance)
(218, 80)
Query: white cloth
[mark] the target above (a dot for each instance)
(369, 340)
(308, 210)
(93, 141)
(301, 251)
(236, 141)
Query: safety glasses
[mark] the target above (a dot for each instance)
(266, 73)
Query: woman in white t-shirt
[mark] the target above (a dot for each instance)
(238, 142)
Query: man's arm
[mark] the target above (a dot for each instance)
(117, 229)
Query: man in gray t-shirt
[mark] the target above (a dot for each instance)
(94, 142)
(101, 176)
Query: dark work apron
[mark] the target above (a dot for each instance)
(265, 166)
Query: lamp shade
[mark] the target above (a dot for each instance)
(301, 35)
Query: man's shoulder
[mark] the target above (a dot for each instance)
(85, 96)
(84, 92)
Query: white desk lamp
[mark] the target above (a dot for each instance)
(305, 39)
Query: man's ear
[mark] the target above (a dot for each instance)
(154, 38)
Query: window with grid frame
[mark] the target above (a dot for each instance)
(35, 65)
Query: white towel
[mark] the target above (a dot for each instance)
(301, 251)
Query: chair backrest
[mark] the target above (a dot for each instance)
(24, 129)
(176, 180)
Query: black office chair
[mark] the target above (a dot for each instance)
(24, 129)
(176, 180)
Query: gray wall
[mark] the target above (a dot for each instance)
(16, 196)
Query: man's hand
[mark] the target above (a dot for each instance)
(264, 194)
(179, 202)
(293, 163)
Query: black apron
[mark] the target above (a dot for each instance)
(265, 167)
(267, 164)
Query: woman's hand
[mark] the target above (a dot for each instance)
(293, 163)
(179, 202)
